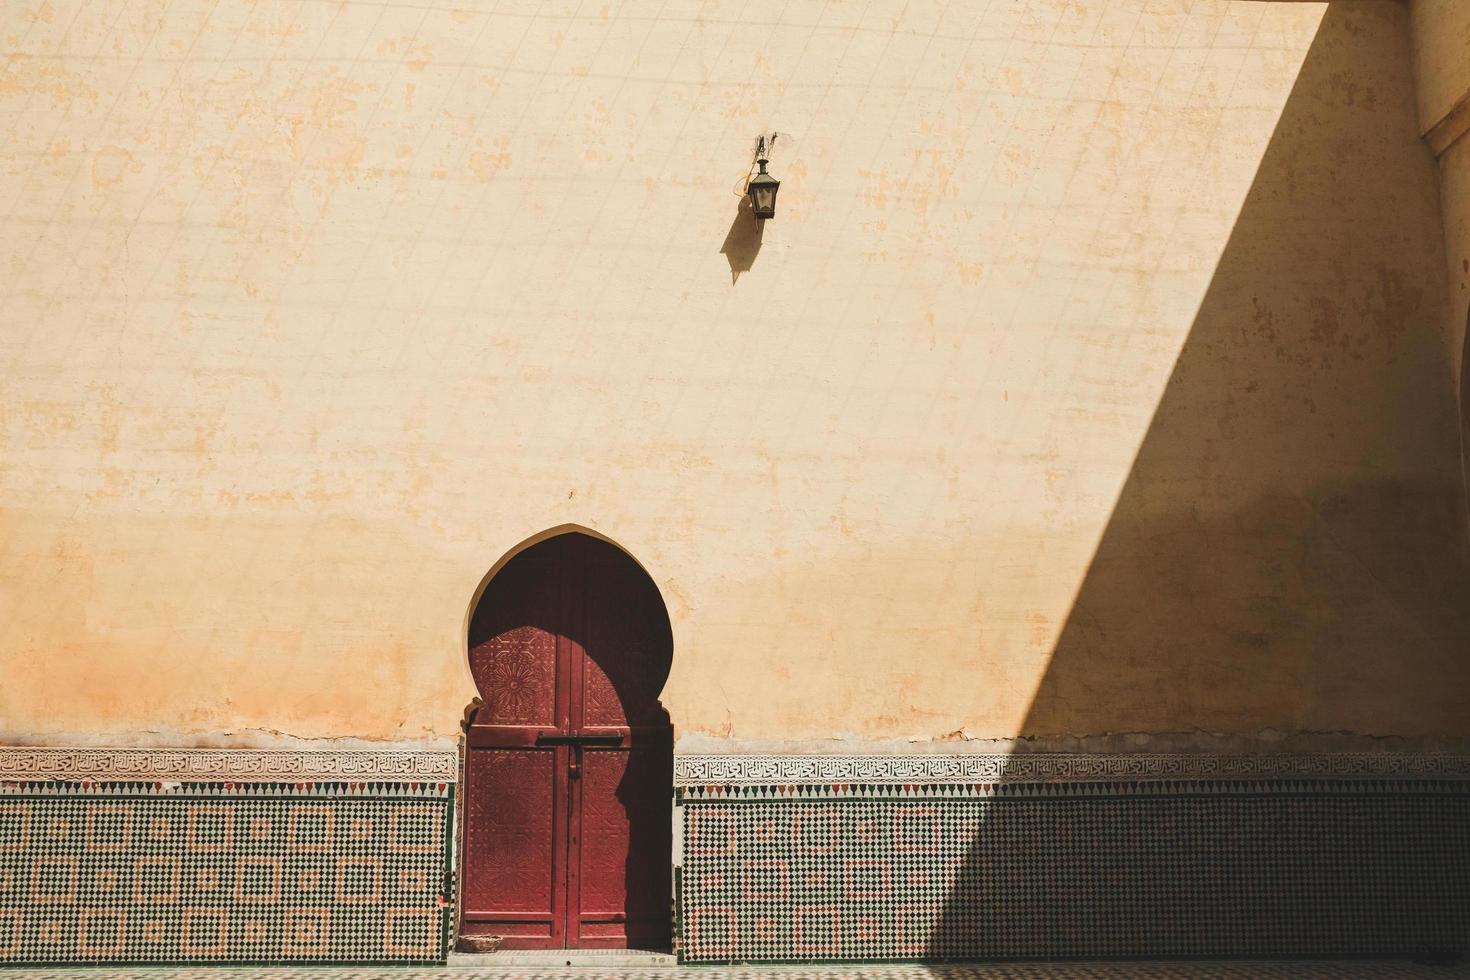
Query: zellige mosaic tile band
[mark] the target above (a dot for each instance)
(224, 873)
(1065, 871)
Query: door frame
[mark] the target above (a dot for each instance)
(457, 939)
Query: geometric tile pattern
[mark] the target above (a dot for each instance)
(135, 872)
(1114, 970)
(865, 872)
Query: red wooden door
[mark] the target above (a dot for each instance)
(570, 758)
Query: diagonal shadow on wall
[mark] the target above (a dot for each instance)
(1287, 546)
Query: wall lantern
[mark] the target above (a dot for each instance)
(762, 187)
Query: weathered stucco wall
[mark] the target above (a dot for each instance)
(1454, 170)
(1441, 39)
(1441, 33)
(314, 310)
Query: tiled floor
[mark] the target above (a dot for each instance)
(1198, 970)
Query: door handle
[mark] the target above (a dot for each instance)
(611, 741)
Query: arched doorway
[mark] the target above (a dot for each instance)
(569, 765)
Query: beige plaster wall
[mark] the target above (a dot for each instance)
(312, 310)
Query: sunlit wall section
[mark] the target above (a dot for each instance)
(311, 311)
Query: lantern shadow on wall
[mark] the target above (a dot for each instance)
(743, 241)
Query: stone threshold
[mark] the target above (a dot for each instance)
(507, 958)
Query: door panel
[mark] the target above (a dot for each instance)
(625, 859)
(605, 837)
(515, 841)
(627, 648)
(601, 707)
(515, 844)
(518, 655)
(519, 667)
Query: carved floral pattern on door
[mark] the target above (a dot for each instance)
(520, 675)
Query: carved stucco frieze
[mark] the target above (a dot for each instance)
(229, 765)
(767, 769)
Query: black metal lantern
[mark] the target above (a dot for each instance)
(762, 189)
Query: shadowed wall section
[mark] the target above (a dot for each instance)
(1288, 529)
(1288, 532)
(1464, 393)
